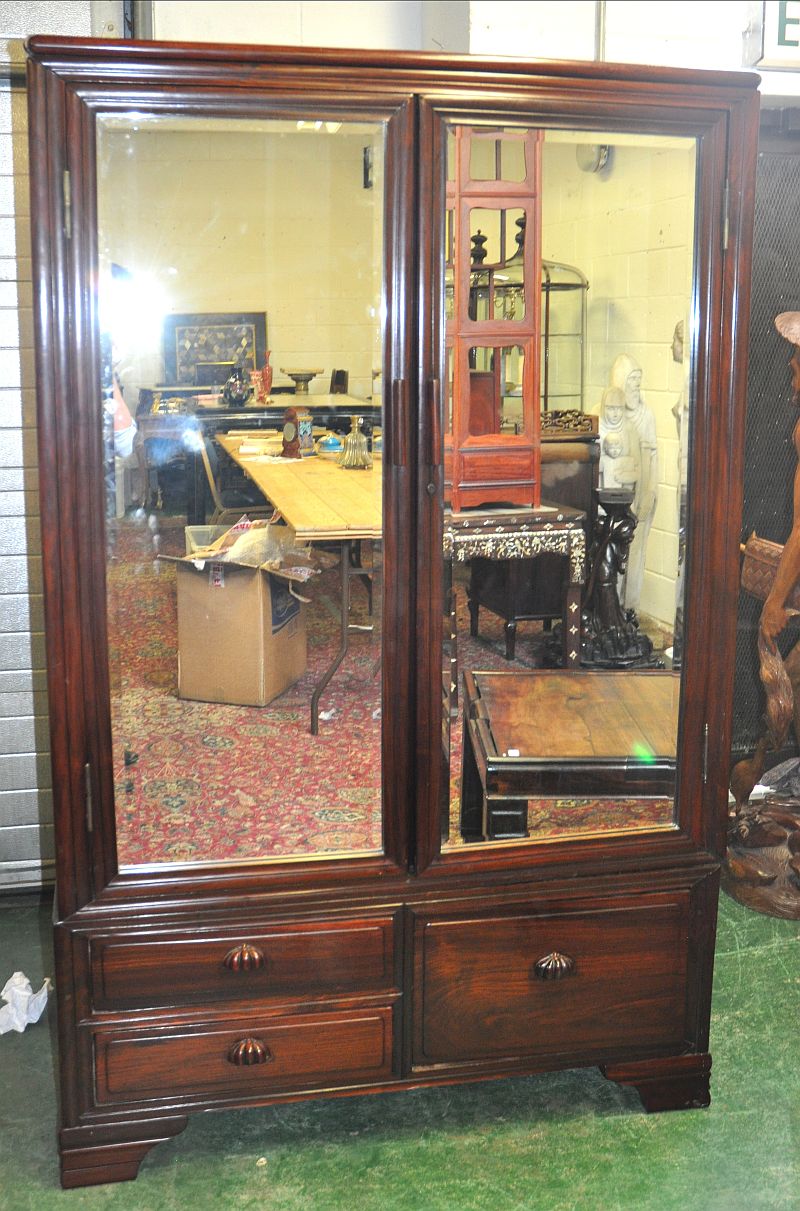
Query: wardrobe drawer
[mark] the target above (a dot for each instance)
(528, 983)
(309, 958)
(250, 1056)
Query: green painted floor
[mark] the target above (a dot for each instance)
(550, 1143)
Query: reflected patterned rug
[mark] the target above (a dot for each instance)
(200, 782)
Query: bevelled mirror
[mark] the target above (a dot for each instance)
(241, 269)
(569, 277)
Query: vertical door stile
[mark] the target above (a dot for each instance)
(400, 404)
(86, 407)
(430, 494)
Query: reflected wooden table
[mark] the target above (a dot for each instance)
(559, 733)
(171, 425)
(321, 502)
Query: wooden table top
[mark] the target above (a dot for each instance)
(554, 715)
(315, 496)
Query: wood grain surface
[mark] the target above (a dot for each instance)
(315, 496)
(557, 715)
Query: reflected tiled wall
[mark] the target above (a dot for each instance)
(242, 221)
(629, 228)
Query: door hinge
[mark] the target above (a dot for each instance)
(87, 779)
(726, 205)
(66, 189)
(705, 753)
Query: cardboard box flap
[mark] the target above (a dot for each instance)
(272, 548)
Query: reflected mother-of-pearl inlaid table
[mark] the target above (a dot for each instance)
(524, 533)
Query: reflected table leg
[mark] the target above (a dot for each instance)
(196, 490)
(350, 566)
(571, 625)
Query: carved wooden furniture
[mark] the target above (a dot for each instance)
(610, 635)
(544, 733)
(762, 866)
(187, 986)
(491, 334)
(504, 548)
(524, 590)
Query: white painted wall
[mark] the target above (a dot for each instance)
(267, 218)
(404, 25)
(564, 30)
(678, 33)
(629, 229)
(295, 23)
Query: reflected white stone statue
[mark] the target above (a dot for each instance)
(626, 376)
(680, 411)
(620, 452)
(681, 414)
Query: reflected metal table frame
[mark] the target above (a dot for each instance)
(321, 502)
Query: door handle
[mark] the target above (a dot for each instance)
(433, 423)
(397, 453)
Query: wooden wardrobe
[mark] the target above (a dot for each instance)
(311, 185)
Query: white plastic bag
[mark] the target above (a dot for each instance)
(24, 1006)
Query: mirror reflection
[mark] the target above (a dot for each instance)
(495, 378)
(241, 338)
(566, 458)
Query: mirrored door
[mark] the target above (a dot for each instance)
(242, 315)
(563, 602)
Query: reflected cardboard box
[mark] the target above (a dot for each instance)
(241, 631)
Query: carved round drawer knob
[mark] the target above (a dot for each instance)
(244, 958)
(249, 1051)
(554, 966)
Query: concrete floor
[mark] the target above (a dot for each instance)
(561, 1141)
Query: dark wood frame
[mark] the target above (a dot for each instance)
(414, 886)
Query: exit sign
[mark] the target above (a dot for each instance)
(781, 43)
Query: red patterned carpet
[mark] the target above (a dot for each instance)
(200, 782)
(214, 782)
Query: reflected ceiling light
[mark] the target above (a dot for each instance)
(132, 309)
